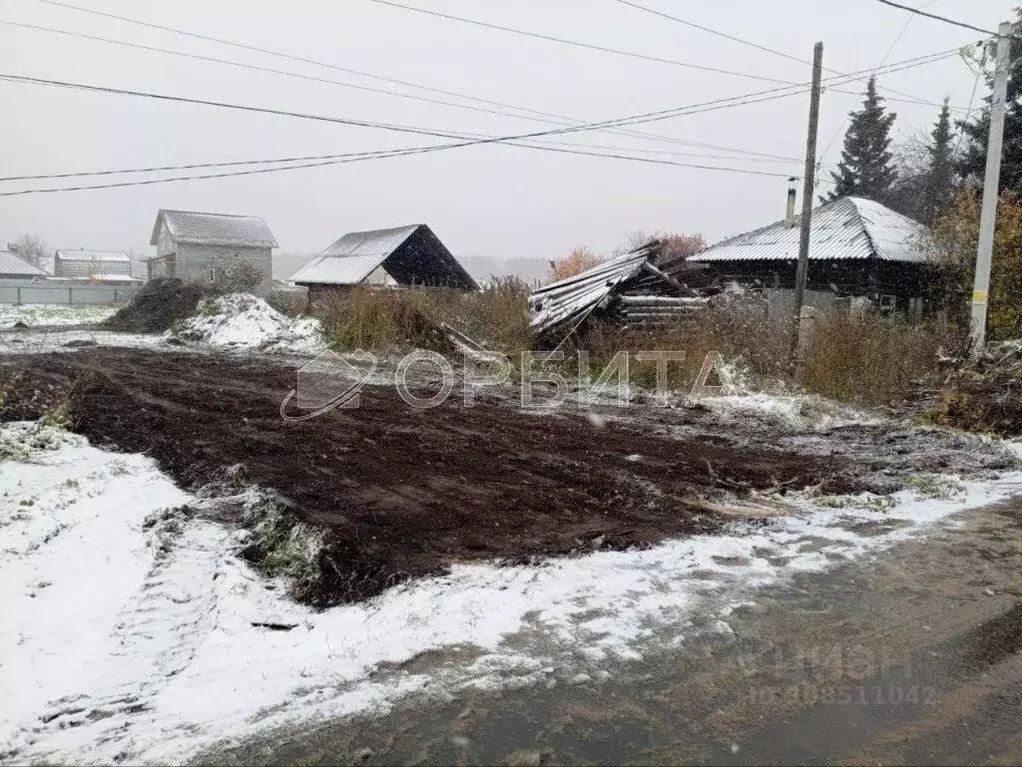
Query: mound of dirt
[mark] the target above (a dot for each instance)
(241, 320)
(156, 307)
(985, 395)
(395, 492)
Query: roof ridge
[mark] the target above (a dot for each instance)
(854, 202)
(210, 213)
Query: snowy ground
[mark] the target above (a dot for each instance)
(134, 633)
(238, 322)
(45, 315)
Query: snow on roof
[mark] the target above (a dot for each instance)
(11, 263)
(354, 256)
(214, 229)
(575, 296)
(92, 255)
(846, 228)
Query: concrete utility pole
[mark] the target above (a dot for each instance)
(808, 190)
(991, 183)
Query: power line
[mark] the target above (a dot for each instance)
(712, 105)
(359, 157)
(272, 161)
(945, 19)
(887, 55)
(711, 31)
(584, 45)
(299, 75)
(972, 98)
(302, 158)
(253, 67)
(647, 117)
(579, 44)
(396, 81)
(757, 46)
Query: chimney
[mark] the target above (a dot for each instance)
(789, 216)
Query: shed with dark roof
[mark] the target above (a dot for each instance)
(402, 256)
(857, 247)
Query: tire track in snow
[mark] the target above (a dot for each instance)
(158, 633)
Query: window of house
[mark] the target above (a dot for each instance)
(886, 304)
(212, 274)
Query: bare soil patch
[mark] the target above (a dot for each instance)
(401, 492)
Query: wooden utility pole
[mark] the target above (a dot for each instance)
(808, 190)
(991, 188)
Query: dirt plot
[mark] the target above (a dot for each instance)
(402, 492)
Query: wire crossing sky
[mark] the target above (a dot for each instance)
(605, 118)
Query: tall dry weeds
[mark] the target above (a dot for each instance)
(873, 360)
(381, 320)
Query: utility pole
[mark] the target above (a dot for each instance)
(991, 184)
(808, 190)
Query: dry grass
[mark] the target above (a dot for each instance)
(867, 359)
(376, 319)
(872, 360)
(290, 302)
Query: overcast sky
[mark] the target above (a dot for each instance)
(492, 200)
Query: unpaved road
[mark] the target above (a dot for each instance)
(910, 658)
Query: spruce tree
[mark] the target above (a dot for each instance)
(972, 163)
(940, 176)
(866, 168)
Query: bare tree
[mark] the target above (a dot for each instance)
(229, 275)
(32, 248)
(672, 246)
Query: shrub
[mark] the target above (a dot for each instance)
(579, 260)
(236, 277)
(293, 303)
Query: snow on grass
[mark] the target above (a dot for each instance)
(794, 411)
(53, 339)
(241, 320)
(132, 630)
(46, 315)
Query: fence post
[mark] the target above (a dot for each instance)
(19, 295)
(70, 296)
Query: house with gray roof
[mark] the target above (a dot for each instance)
(93, 265)
(403, 256)
(14, 267)
(209, 247)
(857, 248)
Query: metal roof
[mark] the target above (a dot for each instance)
(14, 264)
(93, 264)
(354, 256)
(107, 256)
(196, 228)
(846, 228)
(558, 302)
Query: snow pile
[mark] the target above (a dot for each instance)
(244, 321)
(133, 632)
